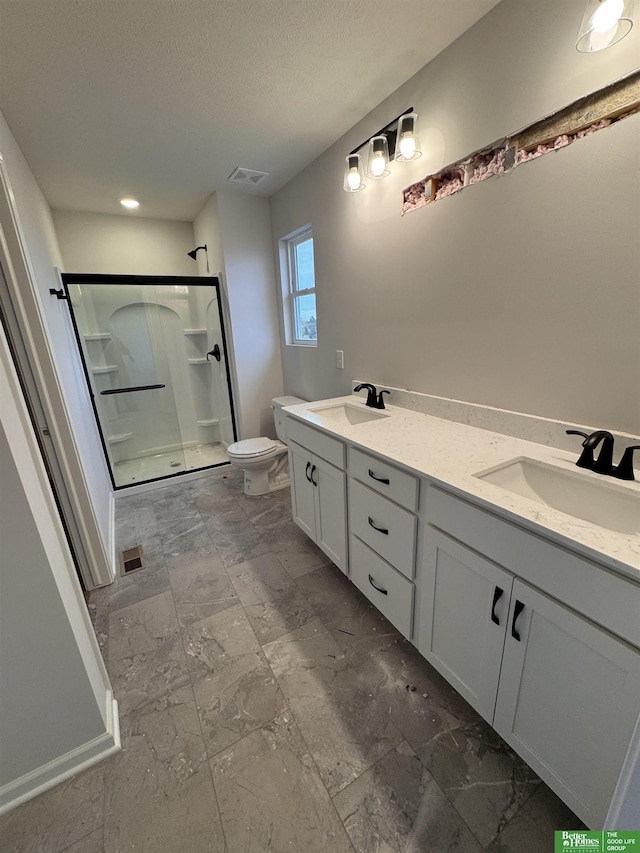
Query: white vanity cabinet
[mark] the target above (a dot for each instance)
(568, 700)
(539, 641)
(318, 489)
(382, 540)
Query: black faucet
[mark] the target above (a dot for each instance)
(372, 394)
(604, 463)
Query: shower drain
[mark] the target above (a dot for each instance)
(131, 560)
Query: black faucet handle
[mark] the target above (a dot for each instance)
(380, 399)
(576, 432)
(624, 471)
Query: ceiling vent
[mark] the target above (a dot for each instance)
(246, 176)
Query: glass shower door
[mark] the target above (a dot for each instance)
(155, 359)
(122, 336)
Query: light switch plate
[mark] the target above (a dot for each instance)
(340, 359)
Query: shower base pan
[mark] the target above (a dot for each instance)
(146, 468)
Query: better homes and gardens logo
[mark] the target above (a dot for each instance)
(597, 841)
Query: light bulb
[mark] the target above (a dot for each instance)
(408, 146)
(130, 203)
(353, 179)
(378, 165)
(607, 15)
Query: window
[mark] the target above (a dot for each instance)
(302, 289)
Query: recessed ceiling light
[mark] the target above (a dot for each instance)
(131, 203)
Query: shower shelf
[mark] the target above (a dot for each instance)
(116, 439)
(109, 368)
(99, 336)
(207, 422)
(197, 360)
(195, 332)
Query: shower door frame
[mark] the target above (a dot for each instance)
(147, 281)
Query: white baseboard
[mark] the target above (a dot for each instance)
(81, 758)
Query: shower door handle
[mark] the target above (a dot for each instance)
(129, 390)
(215, 352)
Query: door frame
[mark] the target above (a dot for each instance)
(31, 354)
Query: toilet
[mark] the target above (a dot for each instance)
(264, 460)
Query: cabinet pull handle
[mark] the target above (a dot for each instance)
(315, 482)
(517, 610)
(379, 479)
(497, 595)
(379, 529)
(379, 588)
(306, 472)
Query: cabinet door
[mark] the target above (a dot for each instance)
(568, 700)
(331, 511)
(302, 490)
(464, 608)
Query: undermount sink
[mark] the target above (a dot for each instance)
(599, 502)
(347, 414)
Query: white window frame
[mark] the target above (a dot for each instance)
(290, 292)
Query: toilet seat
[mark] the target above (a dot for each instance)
(253, 448)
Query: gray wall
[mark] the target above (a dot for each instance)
(47, 705)
(123, 245)
(236, 228)
(522, 292)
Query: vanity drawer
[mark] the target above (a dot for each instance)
(389, 591)
(384, 478)
(317, 442)
(395, 536)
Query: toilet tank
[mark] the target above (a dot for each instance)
(278, 404)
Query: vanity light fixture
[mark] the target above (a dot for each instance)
(353, 174)
(130, 203)
(605, 22)
(381, 149)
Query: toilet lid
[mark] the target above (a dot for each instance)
(252, 447)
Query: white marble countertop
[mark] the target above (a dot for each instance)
(450, 453)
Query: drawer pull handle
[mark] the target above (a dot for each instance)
(379, 479)
(379, 529)
(307, 472)
(379, 588)
(315, 482)
(517, 610)
(497, 595)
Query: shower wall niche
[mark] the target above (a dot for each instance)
(155, 357)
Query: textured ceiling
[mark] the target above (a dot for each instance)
(162, 99)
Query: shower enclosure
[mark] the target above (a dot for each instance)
(155, 359)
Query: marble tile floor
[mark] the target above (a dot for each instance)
(267, 706)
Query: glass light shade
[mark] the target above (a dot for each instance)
(605, 22)
(353, 174)
(378, 157)
(407, 143)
